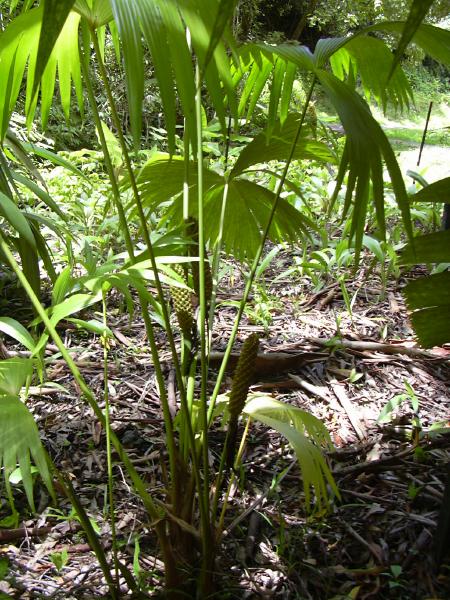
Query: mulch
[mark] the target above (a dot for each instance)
(378, 540)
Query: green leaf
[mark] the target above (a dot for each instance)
(97, 13)
(15, 217)
(263, 149)
(54, 158)
(92, 325)
(372, 59)
(13, 374)
(435, 41)
(53, 20)
(155, 34)
(62, 285)
(374, 246)
(439, 191)
(17, 331)
(417, 13)
(429, 248)
(247, 212)
(19, 45)
(29, 258)
(429, 300)
(306, 434)
(224, 13)
(113, 145)
(13, 143)
(126, 17)
(73, 305)
(40, 193)
(366, 148)
(19, 442)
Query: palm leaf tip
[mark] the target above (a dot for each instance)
(307, 436)
(19, 442)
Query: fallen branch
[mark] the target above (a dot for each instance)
(9, 535)
(361, 346)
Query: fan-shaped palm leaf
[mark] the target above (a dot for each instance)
(277, 145)
(163, 26)
(19, 45)
(435, 41)
(372, 60)
(248, 206)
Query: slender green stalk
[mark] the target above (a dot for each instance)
(202, 327)
(257, 258)
(88, 529)
(112, 515)
(144, 226)
(186, 173)
(216, 261)
(169, 333)
(130, 250)
(218, 244)
(140, 210)
(207, 547)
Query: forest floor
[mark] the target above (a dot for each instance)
(377, 541)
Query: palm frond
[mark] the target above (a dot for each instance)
(366, 148)
(277, 146)
(428, 299)
(417, 13)
(247, 212)
(306, 434)
(19, 442)
(19, 45)
(435, 41)
(54, 17)
(372, 60)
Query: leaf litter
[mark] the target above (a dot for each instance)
(378, 541)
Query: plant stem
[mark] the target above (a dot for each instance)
(108, 440)
(140, 210)
(130, 250)
(218, 244)
(207, 548)
(257, 258)
(144, 226)
(232, 479)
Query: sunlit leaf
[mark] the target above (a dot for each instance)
(17, 331)
(13, 374)
(306, 434)
(19, 442)
(439, 191)
(54, 17)
(277, 146)
(247, 211)
(417, 13)
(435, 41)
(15, 217)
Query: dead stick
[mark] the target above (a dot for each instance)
(362, 346)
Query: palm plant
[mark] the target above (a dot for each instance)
(192, 50)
